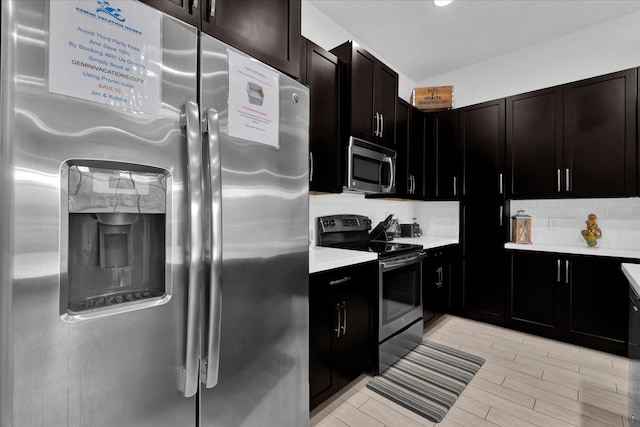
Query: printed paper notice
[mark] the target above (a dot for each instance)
(254, 103)
(106, 51)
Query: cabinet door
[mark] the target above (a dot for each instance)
(322, 75)
(386, 94)
(535, 298)
(597, 303)
(356, 343)
(534, 144)
(482, 140)
(268, 30)
(481, 228)
(403, 180)
(483, 288)
(322, 323)
(363, 113)
(181, 9)
(600, 136)
(445, 155)
(416, 152)
(436, 283)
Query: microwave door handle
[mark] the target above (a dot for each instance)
(215, 286)
(190, 118)
(392, 173)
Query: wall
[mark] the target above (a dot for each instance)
(558, 222)
(435, 218)
(601, 49)
(323, 31)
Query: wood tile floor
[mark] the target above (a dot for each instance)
(526, 381)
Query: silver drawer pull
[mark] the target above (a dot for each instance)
(338, 281)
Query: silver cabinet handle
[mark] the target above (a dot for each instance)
(194, 4)
(190, 118)
(339, 281)
(338, 330)
(376, 125)
(455, 185)
(344, 318)
(559, 185)
(501, 208)
(215, 285)
(566, 272)
(213, 8)
(381, 124)
(501, 184)
(558, 279)
(310, 166)
(567, 183)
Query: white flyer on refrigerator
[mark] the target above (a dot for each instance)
(106, 51)
(254, 100)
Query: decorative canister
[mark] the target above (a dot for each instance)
(521, 227)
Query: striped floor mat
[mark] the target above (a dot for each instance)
(428, 380)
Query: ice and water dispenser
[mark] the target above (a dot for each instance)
(116, 239)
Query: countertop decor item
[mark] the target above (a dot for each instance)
(592, 233)
(521, 227)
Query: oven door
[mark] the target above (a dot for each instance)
(400, 293)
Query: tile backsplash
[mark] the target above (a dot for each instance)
(554, 222)
(558, 222)
(435, 218)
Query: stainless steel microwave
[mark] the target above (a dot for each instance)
(370, 167)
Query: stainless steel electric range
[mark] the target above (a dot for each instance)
(399, 303)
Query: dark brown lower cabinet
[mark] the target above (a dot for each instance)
(341, 317)
(574, 298)
(437, 276)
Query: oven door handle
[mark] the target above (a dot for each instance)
(401, 262)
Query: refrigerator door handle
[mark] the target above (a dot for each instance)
(191, 119)
(215, 289)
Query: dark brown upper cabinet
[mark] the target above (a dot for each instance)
(183, 10)
(371, 90)
(482, 142)
(268, 30)
(600, 145)
(321, 72)
(442, 157)
(410, 140)
(575, 140)
(534, 144)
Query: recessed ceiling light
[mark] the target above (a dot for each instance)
(442, 2)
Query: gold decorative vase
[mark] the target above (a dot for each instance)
(592, 233)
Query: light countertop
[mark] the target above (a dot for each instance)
(428, 242)
(632, 271)
(323, 258)
(576, 250)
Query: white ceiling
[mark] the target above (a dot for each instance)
(422, 40)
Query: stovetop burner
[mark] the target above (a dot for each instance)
(352, 232)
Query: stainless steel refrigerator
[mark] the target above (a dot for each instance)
(154, 224)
